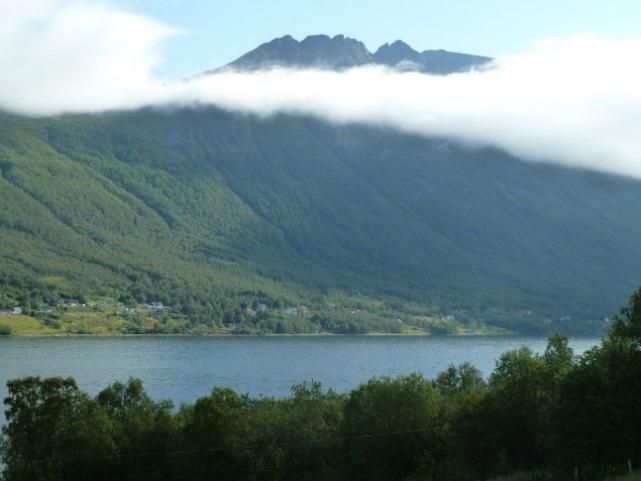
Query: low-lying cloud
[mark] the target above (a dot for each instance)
(574, 101)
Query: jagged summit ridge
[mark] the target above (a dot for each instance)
(396, 53)
(341, 52)
(320, 51)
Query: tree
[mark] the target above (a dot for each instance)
(459, 379)
(311, 430)
(216, 431)
(558, 355)
(35, 410)
(518, 397)
(627, 323)
(391, 429)
(463, 403)
(143, 430)
(84, 447)
(599, 408)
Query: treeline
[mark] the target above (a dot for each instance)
(554, 415)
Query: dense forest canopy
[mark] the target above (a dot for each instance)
(209, 212)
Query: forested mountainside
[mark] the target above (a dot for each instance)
(212, 212)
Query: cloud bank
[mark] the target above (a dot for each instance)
(574, 101)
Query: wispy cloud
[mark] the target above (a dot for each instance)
(573, 101)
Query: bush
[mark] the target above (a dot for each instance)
(5, 331)
(50, 322)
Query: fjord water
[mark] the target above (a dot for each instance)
(184, 368)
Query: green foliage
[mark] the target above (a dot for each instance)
(540, 417)
(35, 408)
(310, 432)
(626, 328)
(5, 330)
(599, 411)
(518, 390)
(392, 429)
(208, 211)
(458, 380)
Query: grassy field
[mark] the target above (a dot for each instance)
(27, 326)
(79, 322)
(100, 323)
(636, 476)
(525, 476)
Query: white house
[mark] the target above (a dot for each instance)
(155, 306)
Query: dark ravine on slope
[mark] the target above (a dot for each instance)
(215, 213)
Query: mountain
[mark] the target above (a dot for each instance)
(319, 51)
(290, 224)
(211, 212)
(397, 53)
(340, 52)
(443, 62)
(401, 56)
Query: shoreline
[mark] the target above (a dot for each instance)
(99, 326)
(300, 335)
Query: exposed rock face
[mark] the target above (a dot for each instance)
(340, 52)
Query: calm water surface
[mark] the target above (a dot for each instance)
(183, 368)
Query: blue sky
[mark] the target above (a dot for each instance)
(574, 99)
(216, 32)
